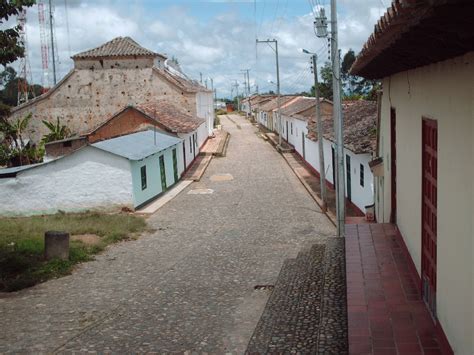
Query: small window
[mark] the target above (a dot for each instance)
(361, 175)
(143, 176)
(190, 144)
(291, 125)
(67, 144)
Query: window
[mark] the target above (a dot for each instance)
(67, 144)
(361, 175)
(143, 176)
(190, 144)
(291, 125)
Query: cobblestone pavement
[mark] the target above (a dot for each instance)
(189, 286)
(306, 312)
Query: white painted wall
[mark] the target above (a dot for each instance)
(87, 179)
(361, 196)
(200, 134)
(205, 109)
(443, 92)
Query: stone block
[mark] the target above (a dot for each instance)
(56, 245)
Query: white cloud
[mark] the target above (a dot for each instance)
(219, 47)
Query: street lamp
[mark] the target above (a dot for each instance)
(322, 173)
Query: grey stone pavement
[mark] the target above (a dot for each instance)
(189, 286)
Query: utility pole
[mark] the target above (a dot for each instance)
(278, 86)
(322, 172)
(200, 74)
(338, 123)
(339, 181)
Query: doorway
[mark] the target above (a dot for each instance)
(348, 177)
(175, 166)
(393, 165)
(429, 212)
(162, 173)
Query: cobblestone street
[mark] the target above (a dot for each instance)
(189, 285)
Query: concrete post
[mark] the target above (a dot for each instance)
(56, 245)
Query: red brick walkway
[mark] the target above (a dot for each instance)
(386, 314)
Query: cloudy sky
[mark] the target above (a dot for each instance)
(213, 37)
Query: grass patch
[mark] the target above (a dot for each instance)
(22, 244)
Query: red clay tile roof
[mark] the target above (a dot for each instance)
(184, 84)
(273, 103)
(118, 47)
(360, 119)
(302, 103)
(413, 33)
(170, 116)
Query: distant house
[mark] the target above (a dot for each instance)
(423, 51)
(126, 171)
(299, 130)
(162, 115)
(268, 111)
(110, 77)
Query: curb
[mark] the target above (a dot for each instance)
(315, 197)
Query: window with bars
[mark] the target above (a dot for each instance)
(361, 175)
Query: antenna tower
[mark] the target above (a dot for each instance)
(24, 77)
(45, 82)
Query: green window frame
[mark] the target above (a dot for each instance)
(361, 175)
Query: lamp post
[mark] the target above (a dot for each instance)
(322, 173)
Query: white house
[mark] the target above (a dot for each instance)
(126, 171)
(299, 130)
(423, 51)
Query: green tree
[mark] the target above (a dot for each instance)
(11, 48)
(325, 82)
(356, 87)
(15, 149)
(57, 131)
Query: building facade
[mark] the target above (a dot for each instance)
(108, 78)
(426, 151)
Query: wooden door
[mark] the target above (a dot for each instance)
(393, 165)
(348, 177)
(429, 212)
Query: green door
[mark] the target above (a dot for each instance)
(175, 166)
(163, 173)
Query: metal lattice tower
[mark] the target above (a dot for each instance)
(45, 81)
(24, 72)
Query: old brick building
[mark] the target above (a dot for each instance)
(109, 78)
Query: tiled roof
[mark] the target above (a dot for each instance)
(184, 84)
(301, 103)
(170, 116)
(413, 33)
(118, 47)
(360, 117)
(137, 146)
(273, 103)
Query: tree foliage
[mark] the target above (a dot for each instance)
(353, 87)
(10, 82)
(356, 87)
(15, 148)
(57, 131)
(11, 48)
